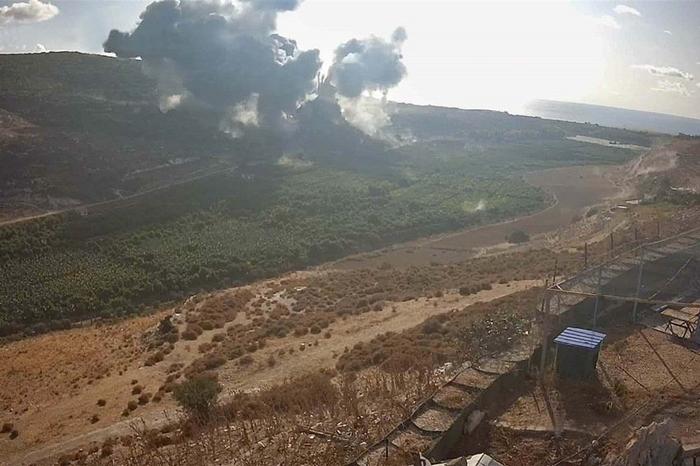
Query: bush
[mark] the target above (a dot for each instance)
(95, 418)
(106, 451)
(246, 360)
(7, 427)
(136, 390)
(518, 236)
(155, 358)
(197, 397)
(101, 402)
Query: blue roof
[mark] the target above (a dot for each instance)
(580, 337)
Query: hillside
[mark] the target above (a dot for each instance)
(217, 210)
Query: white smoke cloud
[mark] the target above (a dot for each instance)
(366, 113)
(33, 11)
(170, 102)
(362, 69)
(626, 10)
(242, 115)
(667, 71)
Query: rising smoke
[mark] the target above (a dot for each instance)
(362, 69)
(225, 56)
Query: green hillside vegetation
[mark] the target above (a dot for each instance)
(252, 217)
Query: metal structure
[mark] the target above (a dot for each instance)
(657, 283)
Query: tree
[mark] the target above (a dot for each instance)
(198, 397)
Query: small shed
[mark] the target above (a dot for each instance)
(577, 353)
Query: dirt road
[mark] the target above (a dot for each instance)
(574, 188)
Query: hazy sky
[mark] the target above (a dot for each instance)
(499, 55)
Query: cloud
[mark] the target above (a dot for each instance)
(672, 87)
(626, 10)
(668, 32)
(668, 71)
(608, 21)
(33, 11)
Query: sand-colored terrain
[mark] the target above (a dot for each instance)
(79, 367)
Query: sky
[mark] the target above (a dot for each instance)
(495, 55)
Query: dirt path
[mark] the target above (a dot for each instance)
(102, 204)
(394, 317)
(575, 189)
(345, 334)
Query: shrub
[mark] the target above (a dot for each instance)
(144, 398)
(518, 236)
(7, 427)
(131, 405)
(14, 434)
(155, 358)
(94, 418)
(246, 360)
(106, 451)
(204, 347)
(432, 326)
(136, 390)
(101, 402)
(197, 397)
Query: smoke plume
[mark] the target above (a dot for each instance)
(224, 55)
(365, 67)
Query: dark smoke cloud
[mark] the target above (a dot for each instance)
(222, 54)
(368, 65)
